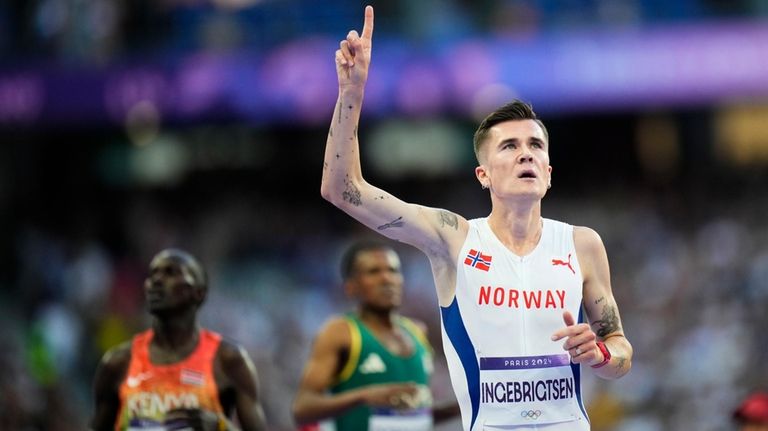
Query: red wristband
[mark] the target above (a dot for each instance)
(606, 354)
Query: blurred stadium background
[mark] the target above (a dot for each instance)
(129, 126)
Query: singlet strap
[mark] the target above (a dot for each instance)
(355, 346)
(415, 330)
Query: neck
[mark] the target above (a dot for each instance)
(518, 227)
(377, 318)
(176, 332)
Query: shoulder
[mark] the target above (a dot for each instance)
(451, 230)
(587, 240)
(231, 353)
(117, 357)
(234, 369)
(336, 331)
(113, 366)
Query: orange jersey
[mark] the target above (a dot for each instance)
(149, 391)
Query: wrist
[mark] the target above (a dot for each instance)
(351, 91)
(606, 355)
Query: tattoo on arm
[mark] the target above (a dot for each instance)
(398, 222)
(622, 361)
(608, 323)
(351, 194)
(601, 299)
(339, 111)
(449, 219)
(330, 132)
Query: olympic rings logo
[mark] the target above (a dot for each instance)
(532, 414)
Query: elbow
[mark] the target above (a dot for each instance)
(326, 192)
(342, 194)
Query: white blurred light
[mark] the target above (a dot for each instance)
(142, 122)
(424, 147)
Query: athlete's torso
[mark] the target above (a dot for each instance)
(371, 363)
(506, 371)
(149, 391)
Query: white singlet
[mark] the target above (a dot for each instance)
(505, 369)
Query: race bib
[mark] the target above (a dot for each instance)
(528, 390)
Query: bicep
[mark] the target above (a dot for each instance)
(423, 227)
(599, 302)
(323, 364)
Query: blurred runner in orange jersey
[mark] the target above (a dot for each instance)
(176, 375)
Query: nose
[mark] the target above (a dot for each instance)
(525, 156)
(154, 279)
(390, 277)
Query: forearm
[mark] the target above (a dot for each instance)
(312, 407)
(341, 169)
(621, 358)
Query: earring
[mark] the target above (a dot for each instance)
(549, 186)
(483, 186)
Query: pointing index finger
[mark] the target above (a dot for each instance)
(368, 24)
(569, 327)
(568, 318)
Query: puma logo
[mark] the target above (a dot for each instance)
(567, 263)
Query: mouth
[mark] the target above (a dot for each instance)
(527, 174)
(151, 296)
(390, 292)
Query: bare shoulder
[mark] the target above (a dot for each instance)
(451, 229)
(335, 332)
(231, 353)
(589, 245)
(587, 238)
(113, 368)
(117, 358)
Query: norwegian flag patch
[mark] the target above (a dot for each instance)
(478, 260)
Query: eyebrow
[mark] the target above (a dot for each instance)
(517, 141)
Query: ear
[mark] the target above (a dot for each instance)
(199, 293)
(482, 176)
(350, 289)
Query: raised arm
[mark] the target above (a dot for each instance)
(602, 312)
(431, 230)
(314, 403)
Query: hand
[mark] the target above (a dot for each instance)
(579, 341)
(191, 420)
(354, 54)
(395, 395)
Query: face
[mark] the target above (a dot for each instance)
(376, 280)
(171, 284)
(515, 160)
